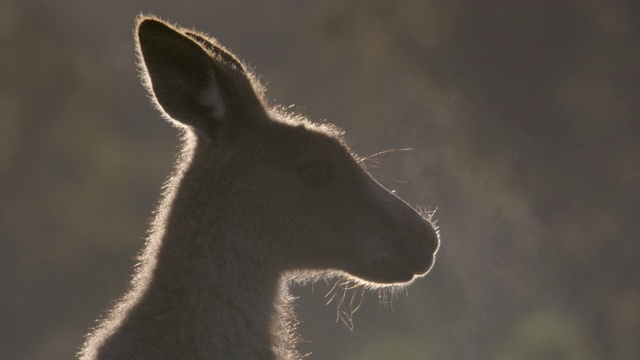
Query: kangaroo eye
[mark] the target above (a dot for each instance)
(317, 174)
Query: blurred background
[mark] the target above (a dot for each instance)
(523, 117)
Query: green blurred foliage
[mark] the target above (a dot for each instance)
(522, 116)
(547, 336)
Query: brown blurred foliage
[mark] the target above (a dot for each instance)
(524, 123)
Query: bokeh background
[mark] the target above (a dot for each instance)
(523, 117)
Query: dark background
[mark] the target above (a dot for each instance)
(523, 117)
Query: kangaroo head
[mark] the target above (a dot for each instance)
(277, 188)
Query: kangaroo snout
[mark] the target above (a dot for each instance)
(427, 242)
(416, 238)
(421, 244)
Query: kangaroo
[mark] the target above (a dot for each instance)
(258, 196)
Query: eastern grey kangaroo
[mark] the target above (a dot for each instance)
(257, 196)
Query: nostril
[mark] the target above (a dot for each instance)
(423, 248)
(430, 262)
(433, 239)
(428, 237)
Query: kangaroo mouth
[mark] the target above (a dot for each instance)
(426, 266)
(421, 267)
(388, 272)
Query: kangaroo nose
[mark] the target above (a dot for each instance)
(432, 238)
(426, 245)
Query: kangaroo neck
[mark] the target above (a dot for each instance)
(198, 293)
(211, 293)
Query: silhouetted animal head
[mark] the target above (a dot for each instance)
(278, 188)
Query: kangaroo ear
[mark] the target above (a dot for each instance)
(192, 80)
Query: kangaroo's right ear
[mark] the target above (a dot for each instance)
(192, 81)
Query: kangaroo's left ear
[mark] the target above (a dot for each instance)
(192, 80)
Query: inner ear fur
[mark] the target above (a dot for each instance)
(194, 80)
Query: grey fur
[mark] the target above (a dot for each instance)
(257, 195)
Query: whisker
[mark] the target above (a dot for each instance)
(382, 153)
